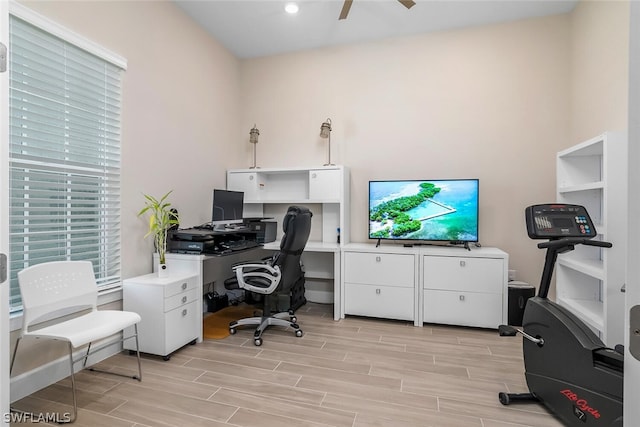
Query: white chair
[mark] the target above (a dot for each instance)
(52, 292)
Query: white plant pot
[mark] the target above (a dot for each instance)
(163, 271)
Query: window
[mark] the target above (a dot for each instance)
(64, 153)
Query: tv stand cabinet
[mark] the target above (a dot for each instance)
(426, 284)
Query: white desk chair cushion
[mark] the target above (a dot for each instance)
(84, 329)
(53, 290)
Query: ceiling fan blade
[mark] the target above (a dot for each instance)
(407, 3)
(345, 9)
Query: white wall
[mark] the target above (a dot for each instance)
(599, 69)
(494, 102)
(180, 108)
(489, 102)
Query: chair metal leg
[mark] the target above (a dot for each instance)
(13, 356)
(138, 353)
(61, 420)
(73, 386)
(135, 377)
(86, 356)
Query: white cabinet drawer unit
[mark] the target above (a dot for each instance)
(379, 284)
(426, 284)
(169, 310)
(463, 290)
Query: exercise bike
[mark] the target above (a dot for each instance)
(567, 367)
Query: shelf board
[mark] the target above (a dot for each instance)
(312, 246)
(282, 171)
(590, 267)
(292, 201)
(318, 275)
(588, 311)
(592, 147)
(597, 185)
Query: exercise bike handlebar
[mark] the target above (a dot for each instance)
(568, 242)
(558, 246)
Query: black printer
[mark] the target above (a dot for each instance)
(265, 228)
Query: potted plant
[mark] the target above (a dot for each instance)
(162, 218)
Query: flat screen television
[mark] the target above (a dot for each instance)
(429, 210)
(227, 207)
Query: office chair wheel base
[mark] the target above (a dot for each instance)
(232, 331)
(293, 319)
(299, 333)
(257, 342)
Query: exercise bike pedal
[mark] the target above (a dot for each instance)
(507, 398)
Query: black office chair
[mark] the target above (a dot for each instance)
(275, 275)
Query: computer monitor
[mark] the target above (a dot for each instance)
(227, 207)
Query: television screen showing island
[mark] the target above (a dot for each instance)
(437, 210)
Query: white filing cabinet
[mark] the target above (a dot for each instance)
(380, 284)
(465, 289)
(169, 309)
(428, 284)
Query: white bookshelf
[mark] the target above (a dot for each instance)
(589, 279)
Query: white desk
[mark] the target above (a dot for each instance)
(321, 263)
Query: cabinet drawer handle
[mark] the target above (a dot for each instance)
(378, 258)
(184, 312)
(461, 297)
(184, 299)
(378, 291)
(313, 175)
(250, 177)
(184, 286)
(462, 263)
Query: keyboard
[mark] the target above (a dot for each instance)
(238, 245)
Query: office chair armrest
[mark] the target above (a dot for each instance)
(265, 274)
(255, 261)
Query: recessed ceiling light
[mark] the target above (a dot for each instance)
(291, 8)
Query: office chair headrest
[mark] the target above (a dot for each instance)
(291, 215)
(296, 226)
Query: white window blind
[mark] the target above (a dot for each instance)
(64, 155)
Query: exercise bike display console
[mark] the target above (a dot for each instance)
(567, 367)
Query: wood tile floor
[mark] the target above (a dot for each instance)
(357, 372)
